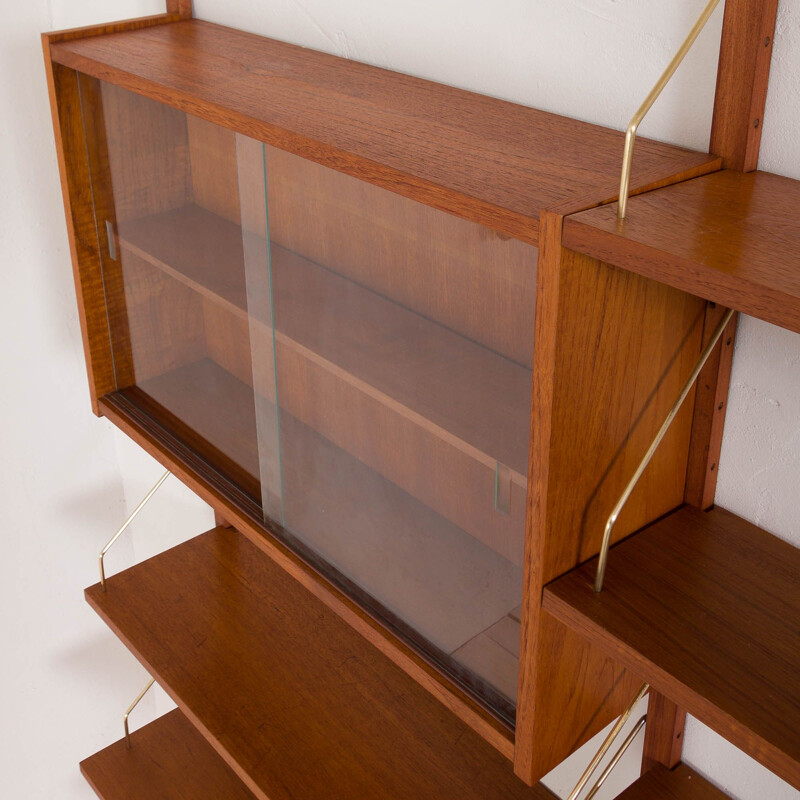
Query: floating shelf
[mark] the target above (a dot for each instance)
(705, 607)
(475, 156)
(730, 237)
(169, 760)
(374, 366)
(297, 702)
(681, 783)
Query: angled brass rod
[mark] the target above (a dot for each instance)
(636, 119)
(603, 559)
(131, 707)
(617, 756)
(125, 524)
(609, 740)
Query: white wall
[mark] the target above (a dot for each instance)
(66, 478)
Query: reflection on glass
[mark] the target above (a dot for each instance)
(403, 344)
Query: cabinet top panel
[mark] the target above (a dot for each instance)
(479, 157)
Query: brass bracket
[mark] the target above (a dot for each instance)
(131, 707)
(125, 524)
(603, 559)
(636, 119)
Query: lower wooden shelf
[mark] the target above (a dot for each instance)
(705, 607)
(295, 701)
(168, 759)
(681, 783)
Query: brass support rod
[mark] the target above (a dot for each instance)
(609, 740)
(636, 119)
(617, 756)
(131, 707)
(603, 559)
(125, 524)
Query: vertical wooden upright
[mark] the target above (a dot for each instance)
(742, 79)
(182, 8)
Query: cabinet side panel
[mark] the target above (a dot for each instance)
(621, 347)
(77, 193)
(625, 347)
(579, 690)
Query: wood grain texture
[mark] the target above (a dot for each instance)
(729, 237)
(745, 55)
(471, 279)
(548, 284)
(181, 7)
(167, 759)
(710, 407)
(88, 31)
(705, 607)
(224, 497)
(681, 783)
(432, 411)
(663, 734)
(615, 351)
(389, 129)
(76, 190)
(624, 348)
(276, 682)
(579, 690)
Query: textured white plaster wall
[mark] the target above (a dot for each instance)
(67, 479)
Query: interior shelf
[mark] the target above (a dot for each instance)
(168, 759)
(297, 702)
(681, 783)
(465, 153)
(376, 366)
(705, 607)
(730, 237)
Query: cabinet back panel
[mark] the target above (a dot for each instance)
(467, 277)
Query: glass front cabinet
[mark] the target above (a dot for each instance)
(393, 333)
(353, 363)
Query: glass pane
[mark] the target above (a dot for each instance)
(403, 340)
(176, 228)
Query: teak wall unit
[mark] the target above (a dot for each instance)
(393, 333)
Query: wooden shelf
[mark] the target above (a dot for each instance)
(481, 158)
(731, 237)
(705, 607)
(356, 521)
(681, 783)
(168, 759)
(356, 366)
(296, 702)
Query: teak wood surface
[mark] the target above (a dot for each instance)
(488, 160)
(681, 783)
(730, 237)
(277, 683)
(169, 760)
(663, 734)
(745, 55)
(611, 352)
(705, 607)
